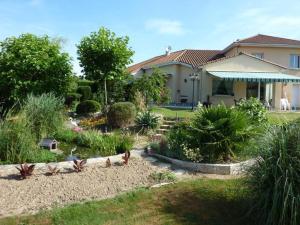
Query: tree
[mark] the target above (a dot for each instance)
(153, 87)
(104, 57)
(32, 64)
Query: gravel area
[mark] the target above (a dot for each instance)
(41, 192)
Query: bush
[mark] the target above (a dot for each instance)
(43, 115)
(121, 114)
(85, 91)
(124, 143)
(147, 120)
(275, 179)
(215, 134)
(71, 97)
(88, 106)
(85, 82)
(254, 109)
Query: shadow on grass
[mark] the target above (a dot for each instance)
(188, 207)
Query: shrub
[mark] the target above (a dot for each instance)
(85, 91)
(124, 144)
(17, 144)
(121, 114)
(254, 109)
(275, 179)
(220, 132)
(85, 83)
(88, 106)
(71, 97)
(147, 120)
(43, 115)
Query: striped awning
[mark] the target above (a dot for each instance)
(255, 76)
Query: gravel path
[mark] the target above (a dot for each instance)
(40, 192)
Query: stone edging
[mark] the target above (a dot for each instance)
(64, 165)
(221, 169)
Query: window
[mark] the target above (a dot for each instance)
(222, 87)
(258, 55)
(295, 61)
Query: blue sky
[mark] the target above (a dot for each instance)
(152, 25)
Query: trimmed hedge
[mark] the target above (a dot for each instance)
(71, 97)
(85, 91)
(121, 114)
(88, 106)
(85, 83)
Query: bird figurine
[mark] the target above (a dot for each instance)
(108, 163)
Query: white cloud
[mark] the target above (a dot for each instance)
(259, 20)
(165, 26)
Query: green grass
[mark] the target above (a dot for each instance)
(203, 201)
(173, 112)
(275, 117)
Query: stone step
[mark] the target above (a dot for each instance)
(162, 131)
(169, 122)
(170, 119)
(165, 126)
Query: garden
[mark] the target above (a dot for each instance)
(73, 139)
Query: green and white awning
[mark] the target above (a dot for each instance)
(255, 76)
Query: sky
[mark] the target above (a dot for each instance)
(151, 25)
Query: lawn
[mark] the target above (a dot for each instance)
(275, 117)
(202, 201)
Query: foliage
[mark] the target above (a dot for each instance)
(153, 87)
(71, 97)
(148, 120)
(139, 101)
(88, 106)
(17, 144)
(25, 170)
(85, 92)
(254, 109)
(32, 64)
(93, 122)
(121, 114)
(166, 176)
(52, 170)
(126, 157)
(85, 83)
(104, 56)
(43, 114)
(124, 143)
(220, 132)
(275, 179)
(78, 165)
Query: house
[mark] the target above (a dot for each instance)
(261, 66)
(49, 143)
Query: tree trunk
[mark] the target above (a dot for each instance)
(105, 92)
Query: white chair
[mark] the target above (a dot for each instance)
(284, 104)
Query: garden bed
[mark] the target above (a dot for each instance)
(221, 169)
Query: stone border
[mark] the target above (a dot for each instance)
(221, 169)
(64, 165)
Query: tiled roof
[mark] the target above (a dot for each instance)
(194, 58)
(266, 39)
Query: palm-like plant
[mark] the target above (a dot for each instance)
(275, 180)
(147, 120)
(220, 132)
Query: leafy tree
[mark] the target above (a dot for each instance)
(104, 57)
(32, 64)
(153, 87)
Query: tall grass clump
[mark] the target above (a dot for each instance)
(43, 114)
(275, 180)
(17, 144)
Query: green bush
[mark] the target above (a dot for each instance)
(254, 109)
(85, 91)
(124, 143)
(43, 115)
(121, 114)
(88, 106)
(215, 134)
(71, 97)
(147, 120)
(85, 82)
(275, 179)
